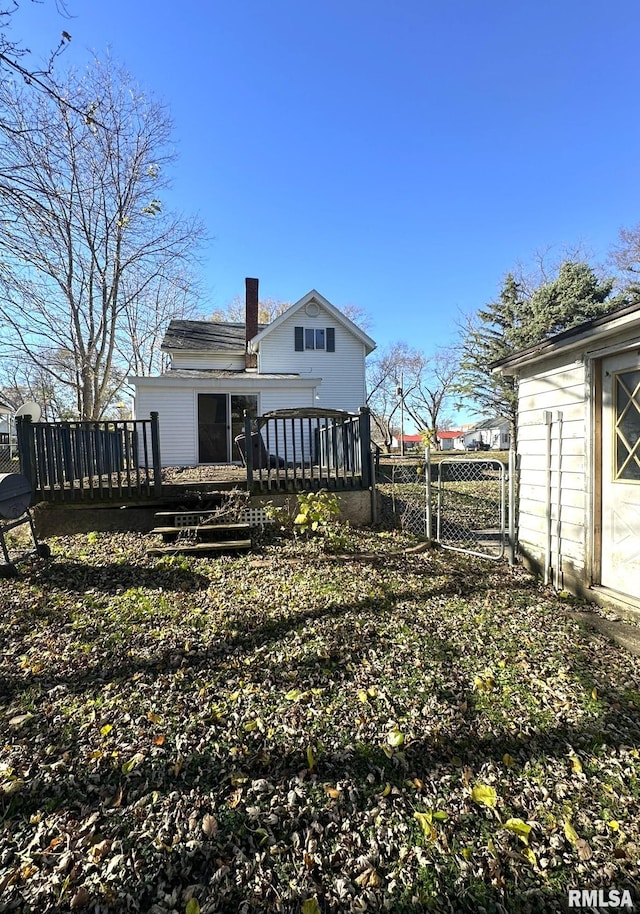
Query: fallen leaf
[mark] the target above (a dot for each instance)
(484, 795)
(584, 849)
(81, 899)
(209, 825)
(520, 828)
(425, 823)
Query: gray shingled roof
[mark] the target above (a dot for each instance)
(224, 373)
(205, 336)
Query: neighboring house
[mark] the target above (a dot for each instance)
(490, 435)
(579, 451)
(309, 356)
(450, 440)
(5, 422)
(408, 443)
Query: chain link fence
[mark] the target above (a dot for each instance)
(466, 507)
(9, 462)
(403, 496)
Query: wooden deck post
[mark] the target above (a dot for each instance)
(365, 446)
(26, 449)
(155, 455)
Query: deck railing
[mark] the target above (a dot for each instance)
(304, 449)
(66, 461)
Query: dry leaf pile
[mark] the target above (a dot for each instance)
(425, 732)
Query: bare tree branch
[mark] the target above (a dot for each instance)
(87, 250)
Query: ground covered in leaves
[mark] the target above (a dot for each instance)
(293, 731)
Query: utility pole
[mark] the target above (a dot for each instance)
(400, 392)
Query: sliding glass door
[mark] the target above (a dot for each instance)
(220, 419)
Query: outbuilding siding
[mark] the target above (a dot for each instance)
(553, 494)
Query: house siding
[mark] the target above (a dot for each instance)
(343, 375)
(177, 408)
(201, 360)
(553, 496)
(177, 421)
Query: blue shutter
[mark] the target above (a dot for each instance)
(331, 339)
(299, 339)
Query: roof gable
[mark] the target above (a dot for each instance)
(310, 298)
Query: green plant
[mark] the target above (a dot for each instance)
(316, 512)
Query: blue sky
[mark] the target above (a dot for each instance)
(400, 157)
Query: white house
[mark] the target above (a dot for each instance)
(490, 435)
(579, 451)
(312, 355)
(5, 422)
(449, 440)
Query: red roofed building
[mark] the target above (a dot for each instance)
(450, 440)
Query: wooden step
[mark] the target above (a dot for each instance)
(201, 528)
(186, 512)
(187, 547)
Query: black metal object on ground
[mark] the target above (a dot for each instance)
(15, 498)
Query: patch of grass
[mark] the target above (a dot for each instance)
(263, 730)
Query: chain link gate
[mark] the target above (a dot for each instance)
(472, 507)
(465, 504)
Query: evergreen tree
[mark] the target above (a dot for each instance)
(516, 321)
(493, 333)
(574, 296)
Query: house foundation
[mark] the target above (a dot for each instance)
(54, 519)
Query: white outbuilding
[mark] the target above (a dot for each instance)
(579, 456)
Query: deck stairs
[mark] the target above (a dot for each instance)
(199, 529)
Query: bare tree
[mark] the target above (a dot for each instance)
(626, 257)
(268, 310)
(384, 370)
(87, 249)
(150, 308)
(271, 308)
(15, 58)
(428, 397)
(401, 378)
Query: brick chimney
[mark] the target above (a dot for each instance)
(251, 318)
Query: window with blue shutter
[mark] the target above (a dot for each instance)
(315, 338)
